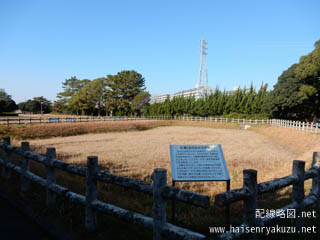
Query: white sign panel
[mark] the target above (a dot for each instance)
(198, 163)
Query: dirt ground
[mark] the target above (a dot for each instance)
(270, 150)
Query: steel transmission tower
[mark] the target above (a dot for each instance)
(203, 74)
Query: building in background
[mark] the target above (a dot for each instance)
(201, 90)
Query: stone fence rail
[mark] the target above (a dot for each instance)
(251, 189)
(160, 192)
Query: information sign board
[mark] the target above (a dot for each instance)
(198, 163)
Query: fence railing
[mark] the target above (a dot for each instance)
(302, 126)
(45, 120)
(251, 189)
(159, 190)
(40, 120)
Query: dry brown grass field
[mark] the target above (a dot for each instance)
(268, 149)
(68, 129)
(135, 148)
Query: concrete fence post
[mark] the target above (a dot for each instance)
(5, 158)
(91, 193)
(159, 178)
(25, 166)
(316, 181)
(298, 192)
(250, 204)
(51, 176)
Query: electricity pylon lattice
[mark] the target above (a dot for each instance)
(203, 74)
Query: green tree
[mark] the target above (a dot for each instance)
(6, 102)
(45, 104)
(90, 99)
(121, 89)
(297, 92)
(140, 103)
(34, 105)
(250, 103)
(70, 87)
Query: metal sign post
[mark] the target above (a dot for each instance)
(191, 163)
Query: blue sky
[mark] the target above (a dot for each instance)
(44, 42)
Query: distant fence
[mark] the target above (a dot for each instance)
(159, 190)
(40, 120)
(302, 126)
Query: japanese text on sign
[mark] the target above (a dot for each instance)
(198, 162)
